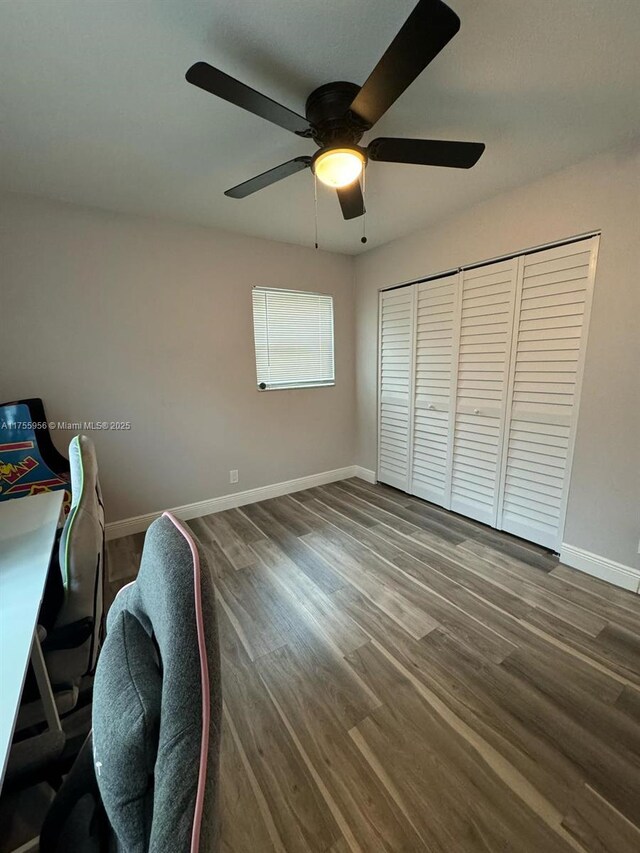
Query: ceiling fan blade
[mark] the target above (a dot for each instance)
(430, 26)
(269, 177)
(426, 152)
(351, 200)
(218, 83)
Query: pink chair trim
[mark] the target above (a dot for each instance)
(122, 588)
(204, 678)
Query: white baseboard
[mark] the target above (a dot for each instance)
(139, 523)
(365, 474)
(600, 567)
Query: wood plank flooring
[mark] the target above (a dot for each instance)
(398, 678)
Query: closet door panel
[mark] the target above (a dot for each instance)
(554, 300)
(396, 354)
(436, 321)
(486, 322)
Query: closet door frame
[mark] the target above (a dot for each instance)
(575, 410)
(412, 367)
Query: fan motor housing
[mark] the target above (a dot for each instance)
(328, 112)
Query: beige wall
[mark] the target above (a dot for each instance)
(601, 193)
(113, 317)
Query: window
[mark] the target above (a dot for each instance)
(293, 332)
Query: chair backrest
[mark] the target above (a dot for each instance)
(157, 701)
(39, 422)
(29, 462)
(82, 548)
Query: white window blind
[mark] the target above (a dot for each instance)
(293, 333)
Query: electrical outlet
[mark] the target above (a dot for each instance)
(233, 476)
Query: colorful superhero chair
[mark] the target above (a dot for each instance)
(29, 461)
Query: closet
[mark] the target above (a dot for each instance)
(479, 387)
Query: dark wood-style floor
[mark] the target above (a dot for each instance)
(397, 678)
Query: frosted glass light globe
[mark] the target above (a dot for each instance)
(339, 167)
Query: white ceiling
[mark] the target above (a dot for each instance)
(94, 107)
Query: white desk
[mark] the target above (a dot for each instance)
(27, 534)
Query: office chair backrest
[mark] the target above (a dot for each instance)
(82, 555)
(28, 458)
(72, 610)
(39, 422)
(157, 703)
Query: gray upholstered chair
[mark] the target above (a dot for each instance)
(152, 784)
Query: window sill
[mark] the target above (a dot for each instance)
(297, 387)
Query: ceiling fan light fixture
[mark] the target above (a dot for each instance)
(338, 114)
(338, 167)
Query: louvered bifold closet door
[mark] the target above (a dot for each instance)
(396, 366)
(434, 388)
(482, 378)
(554, 297)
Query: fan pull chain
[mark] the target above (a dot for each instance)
(363, 239)
(315, 205)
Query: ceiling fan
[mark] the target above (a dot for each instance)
(337, 115)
